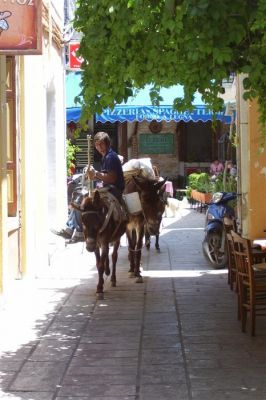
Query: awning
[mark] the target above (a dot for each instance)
(139, 108)
(73, 114)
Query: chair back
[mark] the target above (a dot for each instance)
(230, 250)
(243, 259)
(229, 224)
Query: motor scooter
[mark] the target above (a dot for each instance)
(214, 243)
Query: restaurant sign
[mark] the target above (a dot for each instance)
(74, 60)
(20, 26)
(156, 144)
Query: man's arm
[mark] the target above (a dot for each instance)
(106, 177)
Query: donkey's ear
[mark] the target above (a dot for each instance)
(97, 199)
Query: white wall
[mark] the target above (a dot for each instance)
(45, 155)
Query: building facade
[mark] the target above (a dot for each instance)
(32, 152)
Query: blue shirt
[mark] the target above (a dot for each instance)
(111, 163)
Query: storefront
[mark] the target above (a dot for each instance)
(176, 142)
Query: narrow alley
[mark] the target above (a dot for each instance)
(174, 337)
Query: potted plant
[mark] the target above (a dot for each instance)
(201, 186)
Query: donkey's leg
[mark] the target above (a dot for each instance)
(147, 241)
(106, 264)
(114, 261)
(101, 267)
(147, 238)
(131, 237)
(157, 246)
(100, 275)
(139, 244)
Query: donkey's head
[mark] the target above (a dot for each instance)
(152, 202)
(93, 213)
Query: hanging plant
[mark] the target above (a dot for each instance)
(71, 150)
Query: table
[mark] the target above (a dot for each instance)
(259, 252)
(261, 243)
(259, 267)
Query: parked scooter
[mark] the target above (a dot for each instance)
(214, 244)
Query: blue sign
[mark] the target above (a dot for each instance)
(123, 113)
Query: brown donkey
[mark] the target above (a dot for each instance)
(104, 222)
(153, 205)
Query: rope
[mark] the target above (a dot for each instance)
(134, 251)
(107, 218)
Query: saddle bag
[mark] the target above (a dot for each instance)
(133, 203)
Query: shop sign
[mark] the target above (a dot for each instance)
(74, 61)
(20, 27)
(156, 143)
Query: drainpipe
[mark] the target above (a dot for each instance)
(242, 155)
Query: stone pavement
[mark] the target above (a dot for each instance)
(174, 337)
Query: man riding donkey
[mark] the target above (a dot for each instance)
(105, 217)
(111, 175)
(102, 213)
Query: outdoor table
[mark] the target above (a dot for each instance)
(261, 243)
(259, 250)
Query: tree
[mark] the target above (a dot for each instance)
(127, 44)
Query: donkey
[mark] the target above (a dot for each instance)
(157, 235)
(152, 202)
(104, 222)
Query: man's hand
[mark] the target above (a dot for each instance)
(91, 172)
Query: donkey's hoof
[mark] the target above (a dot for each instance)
(100, 296)
(139, 279)
(113, 284)
(131, 274)
(158, 249)
(107, 271)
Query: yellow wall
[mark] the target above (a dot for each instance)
(257, 178)
(23, 258)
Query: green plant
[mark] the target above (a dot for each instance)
(71, 150)
(201, 45)
(200, 182)
(229, 185)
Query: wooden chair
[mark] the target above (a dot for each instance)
(232, 271)
(251, 282)
(229, 225)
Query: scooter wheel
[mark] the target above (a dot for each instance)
(213, 251)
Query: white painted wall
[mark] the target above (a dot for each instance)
(45, 155)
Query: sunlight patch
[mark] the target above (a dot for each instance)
(181, 273)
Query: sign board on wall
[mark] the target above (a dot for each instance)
(20, 27)
(156, 144)
(74, 60)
